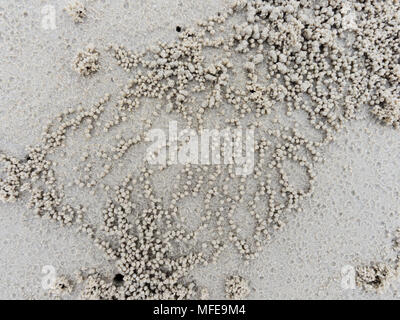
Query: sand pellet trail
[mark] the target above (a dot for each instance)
(266, 86)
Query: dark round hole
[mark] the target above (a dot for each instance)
(178, 29)
(118, 279)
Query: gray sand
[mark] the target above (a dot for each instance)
(345, 221)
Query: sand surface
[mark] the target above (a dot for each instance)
(345, 221)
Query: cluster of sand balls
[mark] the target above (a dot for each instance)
(378, 276)
(87, 61)
(236, 288)
(35, 173)
(375, 276)
(62, 286)
(77, 11)
(296, 56)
